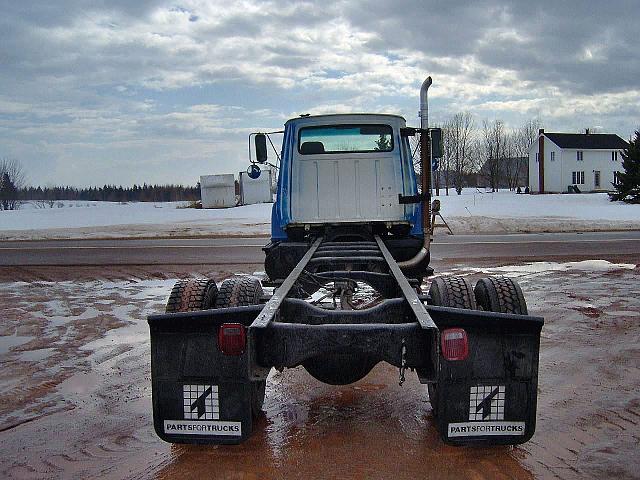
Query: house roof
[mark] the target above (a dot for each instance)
(590, 141)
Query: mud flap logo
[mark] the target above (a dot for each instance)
(201, 405)
(201, 402)
(486, 414)
(486, 403)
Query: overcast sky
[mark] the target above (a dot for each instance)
(124, 92)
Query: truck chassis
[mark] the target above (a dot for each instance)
(212, 353)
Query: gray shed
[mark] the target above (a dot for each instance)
(218, 191)
(256, 190)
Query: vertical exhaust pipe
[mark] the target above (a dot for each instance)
(424, 103)
(425, 164)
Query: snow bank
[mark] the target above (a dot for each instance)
(601, 266)
(472, 212)
(537, 269)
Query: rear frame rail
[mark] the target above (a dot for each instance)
(409, 293)
(271, 307)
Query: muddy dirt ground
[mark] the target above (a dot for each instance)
(75, 396)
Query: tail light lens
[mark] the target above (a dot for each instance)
(232, 338)
(455, 345)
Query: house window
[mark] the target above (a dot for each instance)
(580, 155)
(537, 157)
(577, 178)
(596, 178)
(614, 156)
(553, 156)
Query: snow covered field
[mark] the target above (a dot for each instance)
(136, 219)
(473, 212)
(506, 212)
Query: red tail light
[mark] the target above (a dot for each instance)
(455, 345)
(232, 338)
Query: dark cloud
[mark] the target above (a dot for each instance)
(545, 41)
(65, 12)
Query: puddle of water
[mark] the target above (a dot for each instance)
(104, 302)
(8, 342)
(150, 289)
(60, 321)
(79, 383)
(36, 355)
(56, 308)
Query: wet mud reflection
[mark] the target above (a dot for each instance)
(370, 429)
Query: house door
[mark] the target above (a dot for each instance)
(596, 179)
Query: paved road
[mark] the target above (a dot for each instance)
(238, 251)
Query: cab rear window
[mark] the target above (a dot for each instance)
(345, 139)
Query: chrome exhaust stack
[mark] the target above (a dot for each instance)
(425, 164)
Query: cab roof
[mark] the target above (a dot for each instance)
(347, 117)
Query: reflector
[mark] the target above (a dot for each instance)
(455, 345)
(232, 338)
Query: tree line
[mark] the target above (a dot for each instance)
(489, 155)
(13, 191)
(112, 193)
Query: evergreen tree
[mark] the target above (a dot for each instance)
(383, 143)
(8, 193)
(628, 185)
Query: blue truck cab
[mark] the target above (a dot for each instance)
(343, 176)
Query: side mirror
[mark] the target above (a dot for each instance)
(436, 142)
(261, 148)
(253, 172)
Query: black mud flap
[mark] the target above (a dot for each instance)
(490, 398)
(202, 410)
(199, 394)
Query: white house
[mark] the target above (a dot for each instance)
(590, 161)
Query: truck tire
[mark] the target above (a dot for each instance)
(500, 294)
(239, 292)
(242, 292)
(191, 295)
(453, 292)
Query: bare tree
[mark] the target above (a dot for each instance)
(476, 157)
(510, 163)
(460, 129)
(525, 136)
(494, 151)
(12, 179)
(444, 168)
